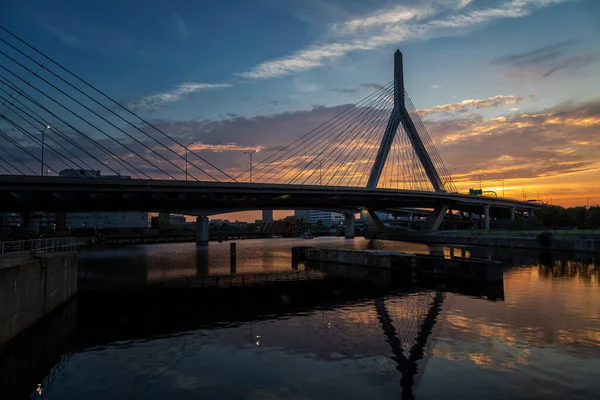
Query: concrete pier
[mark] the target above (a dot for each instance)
(349, 226)
(32, 289)
(202, 231)
(410, 265)
(232, 258)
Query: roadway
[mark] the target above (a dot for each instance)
(66, 194)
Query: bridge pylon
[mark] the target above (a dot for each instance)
(400, 116)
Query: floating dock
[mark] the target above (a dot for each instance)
(409, 266)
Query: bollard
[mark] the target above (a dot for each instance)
(232, 258)
(295, 256)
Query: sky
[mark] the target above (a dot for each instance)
(509, 90)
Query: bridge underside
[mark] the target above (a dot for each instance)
(59, 194)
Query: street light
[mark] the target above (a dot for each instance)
(42, 165)
(250, 152)
(587, 202)
(186, 160)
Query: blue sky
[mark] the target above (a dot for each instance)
(250, 74)
(137, 49)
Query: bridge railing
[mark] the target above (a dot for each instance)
(17, 251)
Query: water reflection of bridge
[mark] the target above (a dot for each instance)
(242, 280)
(406, 316)
(407, 319)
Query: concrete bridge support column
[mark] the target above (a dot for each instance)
(435, 219)
(201, 231)
(31, 222)
(486, 210)
(513, 211)
(164, 217)
(349, 226)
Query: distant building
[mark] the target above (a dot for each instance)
(218, 222)
(329, 219)
(380, 214)
(107, 220)
(11, 221)
(267, 215)
(177, 220)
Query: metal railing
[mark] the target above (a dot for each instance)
(17, 251)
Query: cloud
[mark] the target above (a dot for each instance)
(362, 87)
(536, 56)
(560, 140)
(220, 148)
(572, 63)
(545, 61)
(393, 25)
(463, 3)
(395, 15)
(436, 87)
(181, 28)
(556, 141)
(88, 36)
(181, 91)
(67, 38)
(465, 105)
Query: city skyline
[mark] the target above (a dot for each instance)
(506, 88)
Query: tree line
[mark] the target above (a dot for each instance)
(555, 217)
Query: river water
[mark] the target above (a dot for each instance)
(138, 331)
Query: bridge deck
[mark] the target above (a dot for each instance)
(61, 194)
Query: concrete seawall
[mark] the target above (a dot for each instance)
(32, 289)
(560, 244)
(408, 266)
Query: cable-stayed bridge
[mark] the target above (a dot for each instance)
(373, 155)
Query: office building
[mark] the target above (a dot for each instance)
(329, 219)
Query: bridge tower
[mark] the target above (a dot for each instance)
(401, 116)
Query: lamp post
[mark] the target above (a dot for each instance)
(42, 164)
(587, 202)
(186, 160)
(250, 152)
(503, 189)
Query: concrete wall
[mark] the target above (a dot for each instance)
(561, 244)
(33, 289)
(27, 362)
(410, 264)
